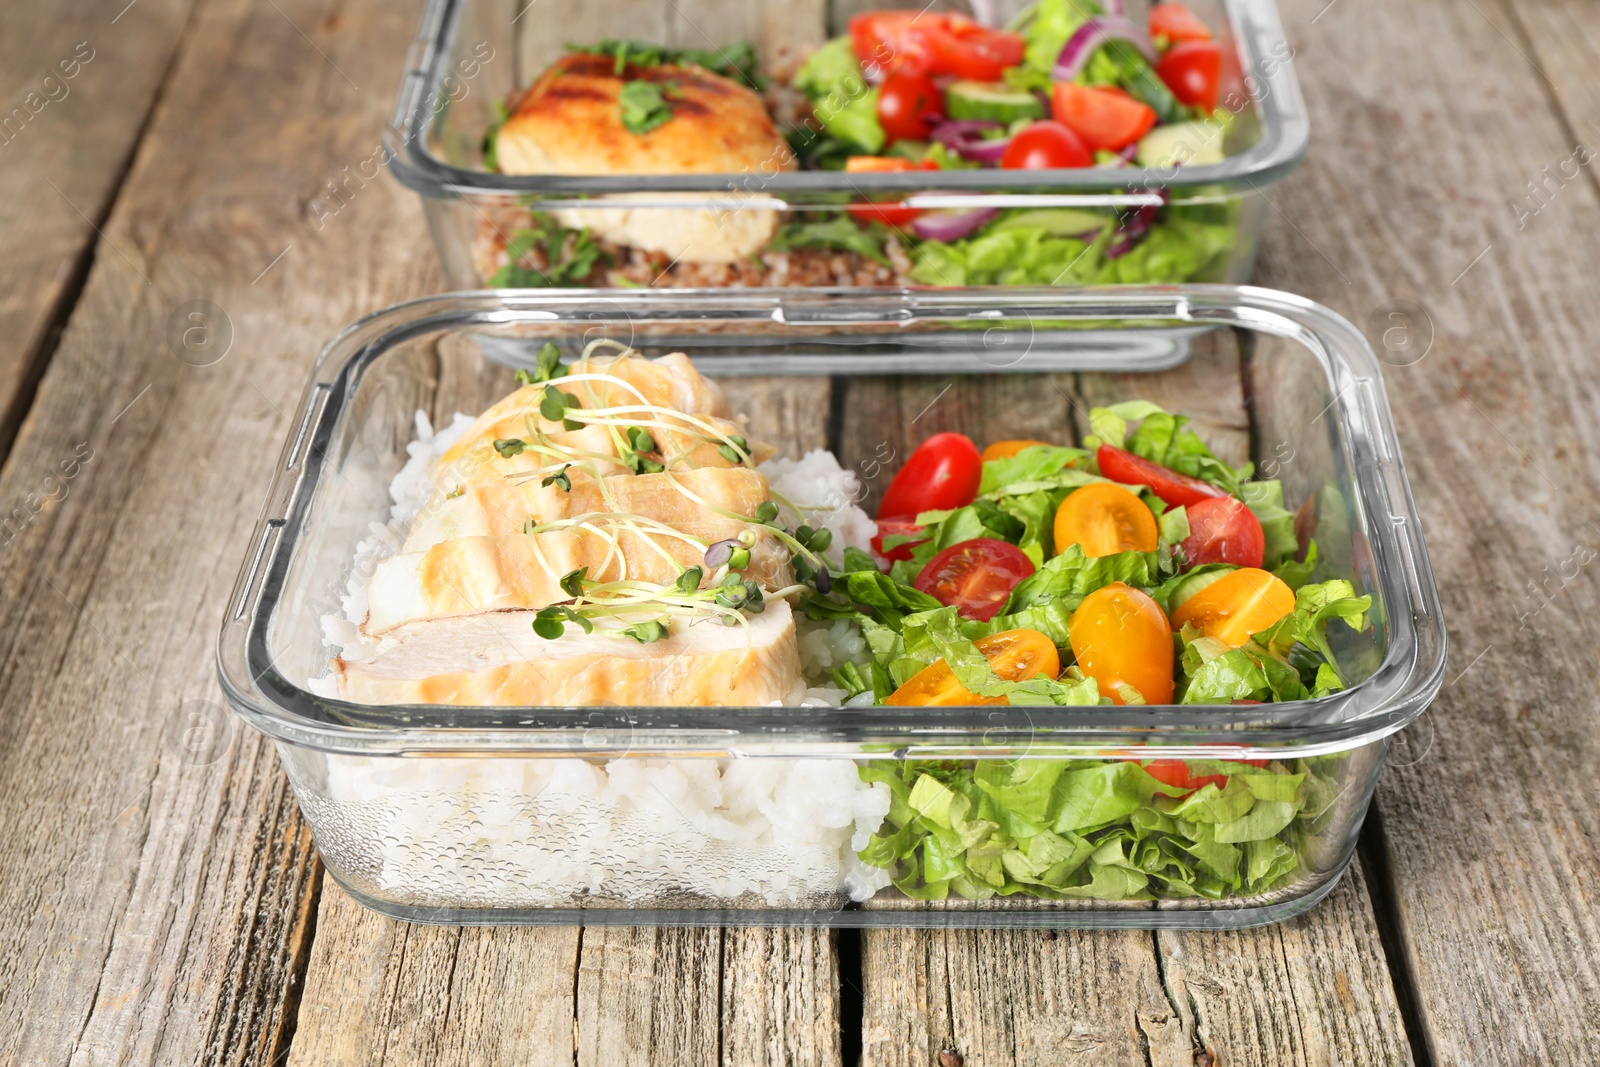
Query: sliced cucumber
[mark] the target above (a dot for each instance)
(1188, 143)
(995, 101)
(1192, 585)
(1060, 221)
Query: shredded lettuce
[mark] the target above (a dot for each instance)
(840, 97)
(1161, 437)
(1108, 830)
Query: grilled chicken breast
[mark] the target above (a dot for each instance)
(678, 498)
(495, 659)
(473, 574)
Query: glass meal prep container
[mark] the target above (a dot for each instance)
(1199, 222)
(798, 815)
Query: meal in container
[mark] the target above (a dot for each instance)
(612, 533)
(1069, 86)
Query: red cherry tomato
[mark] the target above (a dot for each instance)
(1222, 529)
(967, 50)
(1107, 119)
(944, 472)
(975, 576)
(1175, 772)
(895, 528)
(1177, 23)
(1193, 71)
(893, 40)
(1169, 485)
(1046, 145)
(904, 103)
(891, 214)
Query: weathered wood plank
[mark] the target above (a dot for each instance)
(1405, 197)
(168, 909)
(76, 84)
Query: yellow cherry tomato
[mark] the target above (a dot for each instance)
(1014, 655)
(1121, 637)
(1105, 519)
(1238, 604)
(1007, 449)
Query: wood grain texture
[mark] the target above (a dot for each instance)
(76, 85)
(168, 908)
(1406, 196)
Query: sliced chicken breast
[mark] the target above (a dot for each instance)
(495, 659)
(503, 506)
(473, 574)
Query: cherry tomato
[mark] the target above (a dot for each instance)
(1193, 71)
(1014, 655)
(1107, 119)
(1007, 449)
(967, 50)
(1238, 604)
(1166, 483)
(1176, 23)
(1105, 519)
(1046, 145)
(904, 103)
(1222, 529)
(1121, 637)
(944, 472)
(1175, 772)
(975, 576)
(893, 40)
(895, 528)
(890, 214)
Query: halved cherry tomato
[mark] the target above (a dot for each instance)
(890, 214)
(1121, 637)
(1175, 772)
(967, 50)
(930, 42)
(1222, 529)
(1007, 449)
(893, 41)
(1166, 483)
(1238, 604)
(1046, 145)
(944, 472)
(895, 528)
(975, 576)
(1193, 71)
(1107, 119)
(1014, 655)
(904, 103)
(1176, 23)
(1105, 519)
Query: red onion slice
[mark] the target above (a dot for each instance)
(964, 136)
(1090, 36)
(939, 227)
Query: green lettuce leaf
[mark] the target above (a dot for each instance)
(1265, 499)
(1069, 577)
(1162, 437)
(840, 98)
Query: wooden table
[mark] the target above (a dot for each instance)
(160, 895)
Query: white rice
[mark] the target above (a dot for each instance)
(575, 832)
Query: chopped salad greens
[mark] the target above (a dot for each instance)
(1139, 568)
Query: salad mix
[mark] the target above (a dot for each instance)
(1071, 84)
(1137, 569)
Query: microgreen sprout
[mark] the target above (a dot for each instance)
(546, 366)
(735, 449)
(510, 446)
(572, 582)
(646, 632)
(457, 491)
(554, 405)
(559, 479)
(550, 623)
